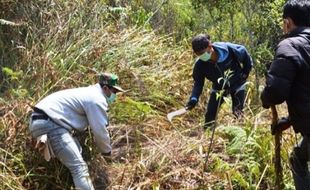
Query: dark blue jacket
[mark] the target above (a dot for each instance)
(231, 57)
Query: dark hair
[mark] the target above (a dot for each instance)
(200, 42)
(298, 11)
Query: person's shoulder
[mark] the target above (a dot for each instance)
(96, 99)
(286, 45)
(287, 41)
(293, 41)
(220, 44)
(200, 66)
(289, 48)
(230, 45)
(90, 93)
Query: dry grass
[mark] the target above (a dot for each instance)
(152, 154)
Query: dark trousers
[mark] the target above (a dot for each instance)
(216, 100)
(299, 166)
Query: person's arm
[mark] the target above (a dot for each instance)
(280, 76)
(199, 80)
(243, 57)
(278, 82)
(98, 120)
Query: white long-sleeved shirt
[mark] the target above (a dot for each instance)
(78, 108)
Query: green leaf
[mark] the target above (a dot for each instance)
(13, 74)
(237, 138)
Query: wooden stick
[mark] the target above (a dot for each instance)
(277, 162)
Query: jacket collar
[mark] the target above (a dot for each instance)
(222, 51)
(299, 30)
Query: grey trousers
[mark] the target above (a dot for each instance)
(66, 149)
(299, 164)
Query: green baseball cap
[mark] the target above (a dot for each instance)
(111, 80)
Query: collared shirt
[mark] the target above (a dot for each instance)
(222, 51)
(79, 107)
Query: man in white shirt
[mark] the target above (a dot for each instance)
(65, 111)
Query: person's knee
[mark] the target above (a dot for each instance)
(209, 116)
(79, 170)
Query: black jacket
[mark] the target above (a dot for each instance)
(288, 78)
(237, 60)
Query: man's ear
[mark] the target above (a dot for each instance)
(285, 25)
(210, 48)
(106, 90)
(291, 23)
(210, 43)
(104, 87)
(288, 25)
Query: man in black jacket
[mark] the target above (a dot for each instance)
(227, 66)
(288, 80)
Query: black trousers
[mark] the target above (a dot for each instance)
(299, 164)
(215, 101)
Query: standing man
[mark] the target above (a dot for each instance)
(65, 111)
(214, 62)
(288, 80)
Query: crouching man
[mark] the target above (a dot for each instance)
(56, 116)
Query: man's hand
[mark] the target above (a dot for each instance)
(265, 106)
(283, 124)
(191, 103)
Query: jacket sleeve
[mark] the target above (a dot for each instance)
(280, 77)
(243, 57)
(98, 120)
(199, 80)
